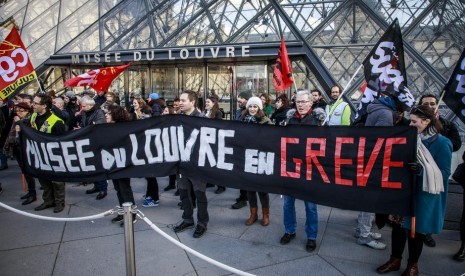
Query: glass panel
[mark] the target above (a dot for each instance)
(17, 19)
(405, 10)
(107, 5)
(10, 8)
(36, 8)
(191, 78)
(307, 15)
(138, 80)
(68, 7)
(76, 23)
(197, 33)
(251, 78)
(43, 48)
(220, 79)
(47, 20)
(87, 41)
(164, 80)
(121, 20)
(56, 78)
(139, 38)
(173, 15)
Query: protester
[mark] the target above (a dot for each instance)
(122, 186)
(338, 111)
(434, 155)
(91, 115)
(318, 100)
(58, 108)
(99, 99)
(449, 130)
(5, 124)
(212, 111)
(303, 116)
(72, 107)
(242, 99)
(254, 114)
(266, 102)
(23, 112)
(459, 176)
(176, 105)
(381, 112)
(188, 101)
(44, 120)
(283, 111)
(154, 103)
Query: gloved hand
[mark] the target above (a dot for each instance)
(415, 167)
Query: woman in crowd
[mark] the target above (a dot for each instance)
(143, 111)
(433, 170)
(116, 114)
(212, 111)
(266, 102)
(23, 114)
(253, 114)
(283, 111)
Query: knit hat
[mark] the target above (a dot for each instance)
(153, 96)
(256, 101)
(70, 95)
(24, 105)
(245, 94)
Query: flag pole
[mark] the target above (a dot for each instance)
(40, 86)
(344, 90)
(440, 100)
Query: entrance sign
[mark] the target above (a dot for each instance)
(345, 167)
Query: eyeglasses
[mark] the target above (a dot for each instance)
(302, 102)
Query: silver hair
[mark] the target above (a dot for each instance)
(304, 92)
(87, 100)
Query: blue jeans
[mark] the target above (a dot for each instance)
(290, 222)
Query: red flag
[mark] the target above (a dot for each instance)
(98, 79)
(15, 66)
(282, 73)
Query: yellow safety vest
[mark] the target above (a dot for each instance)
(48, 124)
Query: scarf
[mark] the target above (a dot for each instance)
(432, 176)
(250, 119)
(300, 117)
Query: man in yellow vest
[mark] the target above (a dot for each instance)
(338, 111)
(45, 121)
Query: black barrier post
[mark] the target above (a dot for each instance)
(129, 239)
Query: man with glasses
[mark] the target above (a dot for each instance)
(45, 121)
(449, 130)
(303, 116)
(338, 111)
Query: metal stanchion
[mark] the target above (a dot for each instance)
(129, 239)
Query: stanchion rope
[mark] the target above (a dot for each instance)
(97, 216)
(190, 250)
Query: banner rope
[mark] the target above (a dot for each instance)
(190, 250)
(97, 216)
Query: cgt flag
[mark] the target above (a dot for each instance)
(384, 70)
(15, 66)
(454, 91)
(98, 79)
(282, 73)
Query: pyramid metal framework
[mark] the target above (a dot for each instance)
(336, 35)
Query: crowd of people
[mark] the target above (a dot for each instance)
(438, 138)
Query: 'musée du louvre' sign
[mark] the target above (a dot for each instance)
(163, 54)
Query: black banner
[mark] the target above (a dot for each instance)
(454, 91)
(345, 167)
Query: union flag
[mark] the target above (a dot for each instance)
(98, 79)
(16, 68)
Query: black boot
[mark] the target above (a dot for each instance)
(460, 256)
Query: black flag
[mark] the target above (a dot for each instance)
(454, 95)
(384, 70)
